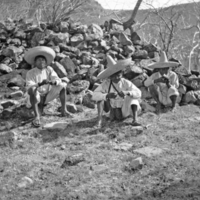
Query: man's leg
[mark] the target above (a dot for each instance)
(59, 90)
(134, 109)
(153, 89)
(100, 108)
(173, 98)
(63, 97)
(34, 103)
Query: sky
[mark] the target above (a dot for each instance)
(130, 4)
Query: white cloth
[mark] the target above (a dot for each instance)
(164, 92)
(124, 85)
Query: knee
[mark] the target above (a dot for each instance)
(173, 91)
(62, 87)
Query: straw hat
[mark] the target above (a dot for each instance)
(163, 62)
(113, 67)
(47, 52)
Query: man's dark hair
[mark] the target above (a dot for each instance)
(116, 73)
(40, 56)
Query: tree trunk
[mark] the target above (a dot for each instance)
(131, 21)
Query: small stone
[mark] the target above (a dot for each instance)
(63, 147)
(123, 146)
(25, 132)
(73, 160)
(149, 151)
(25, 182)
(136, 163)
(56, 125)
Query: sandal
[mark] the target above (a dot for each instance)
(36, 123)
(136, 124)
(98, 125)
(66, 114)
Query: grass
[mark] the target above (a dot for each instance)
(80, 162)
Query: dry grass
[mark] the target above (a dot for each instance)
(82, 163)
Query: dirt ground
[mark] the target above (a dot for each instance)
(80, 162)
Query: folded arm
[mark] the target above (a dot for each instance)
(100, 92)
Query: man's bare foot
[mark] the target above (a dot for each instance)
(36, 122)
(66, 114)
(174, 108)
(98, 124)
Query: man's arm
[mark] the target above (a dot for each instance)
(150, 80)
(53, 76)
(173, 80)
(132, 90)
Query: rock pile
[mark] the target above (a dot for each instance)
(80, 55)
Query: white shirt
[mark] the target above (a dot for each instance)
(172, 76)
(35, 76)
(123, 85)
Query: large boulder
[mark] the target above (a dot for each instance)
(94, 32)
(64, 27)
(59, 69)
(64, 47)
(17, 80)
(37, 39)
(4, 69)
(59, 38)
(12, 51)
(20, 34)
(69, 65)
(76, 39)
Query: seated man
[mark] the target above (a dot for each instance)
(116, 94)
(163, 84)
(43, 84)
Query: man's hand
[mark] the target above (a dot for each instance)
(111, 95)
(162, 80)
(53, 83)
(44, 82)
(124, 93)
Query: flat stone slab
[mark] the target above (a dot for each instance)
(123, 146)
(56, 125)
(149, 151)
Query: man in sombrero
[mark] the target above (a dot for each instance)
(116, 94)
(163, 84)
(42, 83)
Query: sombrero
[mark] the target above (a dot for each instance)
(47, 52)
(113, 67)
(163, 62)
